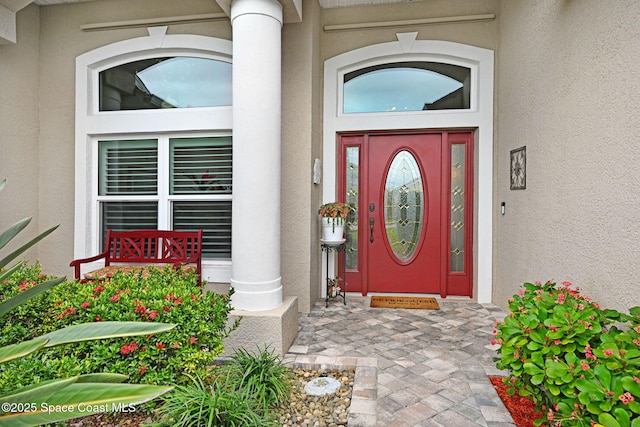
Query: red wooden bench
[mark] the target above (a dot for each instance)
(144, 248)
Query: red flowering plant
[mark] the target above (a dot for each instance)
(166, 296)
(577, 362)
(24, 318)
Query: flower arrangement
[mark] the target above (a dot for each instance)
(579, 363)
(334, 287)
(334, 210)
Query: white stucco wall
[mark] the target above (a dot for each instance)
(568, 87)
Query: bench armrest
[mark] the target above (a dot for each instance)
(77, 262)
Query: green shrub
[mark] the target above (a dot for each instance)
(579, 363)
(21, 323)
(165, 296)
(220, 404)
(241, 393)
(263, 373)
(38, 403)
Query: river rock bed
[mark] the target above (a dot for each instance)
(318, 411)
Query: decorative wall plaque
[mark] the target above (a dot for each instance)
(519, 168)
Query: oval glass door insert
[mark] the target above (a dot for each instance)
(403, 205)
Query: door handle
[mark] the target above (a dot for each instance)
(372, 221)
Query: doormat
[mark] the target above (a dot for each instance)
(404, 302)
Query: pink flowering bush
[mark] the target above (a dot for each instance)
(579, 363)
(166, 296)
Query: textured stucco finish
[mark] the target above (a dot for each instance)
(567, 80)
(275, 328)
(19, 127)
(301, 103)
(479, 34)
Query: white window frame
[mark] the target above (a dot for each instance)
(93, 125)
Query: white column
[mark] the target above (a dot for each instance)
(255, 273)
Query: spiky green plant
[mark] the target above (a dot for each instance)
(61, 399)
(262, 372)
(220, 404)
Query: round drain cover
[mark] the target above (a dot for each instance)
(321, 386)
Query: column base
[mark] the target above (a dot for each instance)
(276, 329)
(252, 296)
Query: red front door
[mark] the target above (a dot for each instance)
(412, 231)
(403, 213)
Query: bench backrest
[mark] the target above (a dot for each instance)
(160, 246)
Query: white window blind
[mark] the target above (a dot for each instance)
(128, 167)
(200, 166)
(124, 216)
(214, 217)
(199, 173)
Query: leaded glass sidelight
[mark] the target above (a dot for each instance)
(352, 174)
(457, 207)
(403, 205)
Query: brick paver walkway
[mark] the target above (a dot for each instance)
(432, 365)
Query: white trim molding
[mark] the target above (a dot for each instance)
(479, 116)
(409, 22)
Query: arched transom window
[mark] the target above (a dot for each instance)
(407, 86)
(173, 82)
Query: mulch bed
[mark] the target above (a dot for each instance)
(522, 409)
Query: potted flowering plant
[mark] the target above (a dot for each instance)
(334, 210)
(334, 215)
(334, 287)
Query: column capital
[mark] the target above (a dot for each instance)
(270, 8)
